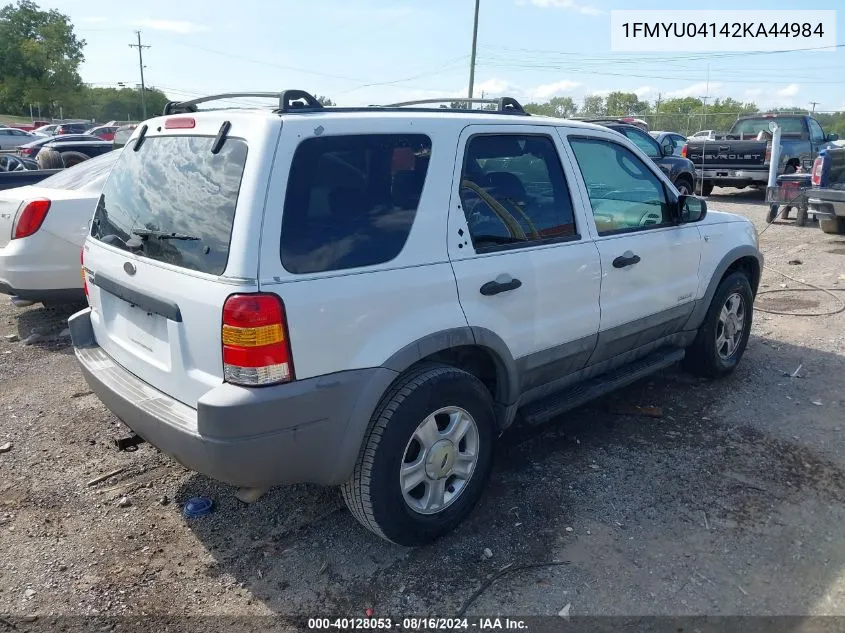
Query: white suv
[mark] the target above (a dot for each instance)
(369, 296)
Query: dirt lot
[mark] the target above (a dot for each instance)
(729, 502)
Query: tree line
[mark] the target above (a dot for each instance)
(685, 115)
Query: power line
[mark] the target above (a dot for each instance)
(141, 48)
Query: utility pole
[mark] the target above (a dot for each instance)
(814, 104)
(141, 48)
(704, 111)
(474, 43)
(657, 111)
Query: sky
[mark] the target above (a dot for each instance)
(384, 51)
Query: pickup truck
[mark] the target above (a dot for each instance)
(827, 197)
(739, 159)
(13, 179)
(73, 148)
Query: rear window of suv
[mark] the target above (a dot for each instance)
(351, 200)
(173, 200)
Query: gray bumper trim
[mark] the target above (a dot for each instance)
(305, 431)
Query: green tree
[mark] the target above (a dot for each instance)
(39, 58)
(325, 101)
(563, 107)
(593, 106)
(624, 103)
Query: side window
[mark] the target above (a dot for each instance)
(678, 142)
(624, 193)
(644, 142)
(816, 132)
(351, 200)
(513, 191)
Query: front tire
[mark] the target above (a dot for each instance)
(426, 457)
(707, 187)
(723, 336)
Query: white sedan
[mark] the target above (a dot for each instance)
(42, 228)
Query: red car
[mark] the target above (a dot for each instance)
(105, 132)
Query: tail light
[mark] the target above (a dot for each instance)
(685, 151)
(256, 349)
(26, 151)
(84, 276)
(818, 168)
(30, 218)
(768, 158)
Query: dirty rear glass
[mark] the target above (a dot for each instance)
(173, 201)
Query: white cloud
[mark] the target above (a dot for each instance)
(643, 91)
(598, 93)
(546, 91)
(695, 90)
(789, 91)
(492, 88)
(571, 5)
(174, 26)
(753, 92)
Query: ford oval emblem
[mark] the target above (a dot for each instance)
(130, 269)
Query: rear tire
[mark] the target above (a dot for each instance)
(723, 336)
(707, 187)
(404, 432)
(684, 186)
(834, 226)
(73, 158)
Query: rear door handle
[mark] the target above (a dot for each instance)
(503, 283)
(628, 259)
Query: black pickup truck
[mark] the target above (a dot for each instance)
(826, 199)
(16, 171)
(739, 159)
(74, 148)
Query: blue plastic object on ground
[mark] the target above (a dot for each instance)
(197, 507)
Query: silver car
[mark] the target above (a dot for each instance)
(11, 137)
(674, 138)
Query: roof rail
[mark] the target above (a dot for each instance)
(616, 119)
(505, 105)
(289, 100)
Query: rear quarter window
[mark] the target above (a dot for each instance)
(351, 200)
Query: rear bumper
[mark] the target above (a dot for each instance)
(730, 177)
(56, 295)
(826, 209)
(39, 268)
(306, 431)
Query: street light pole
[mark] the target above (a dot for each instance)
(474, 44)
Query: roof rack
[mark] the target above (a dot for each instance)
(289, 101)
(505, 105)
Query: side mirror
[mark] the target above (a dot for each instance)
(667, 148)
(692, 209)
(832, 137)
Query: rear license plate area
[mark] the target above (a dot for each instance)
(138, 331)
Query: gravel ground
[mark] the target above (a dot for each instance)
(728, 502)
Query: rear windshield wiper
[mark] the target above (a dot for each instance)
(162, 235)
